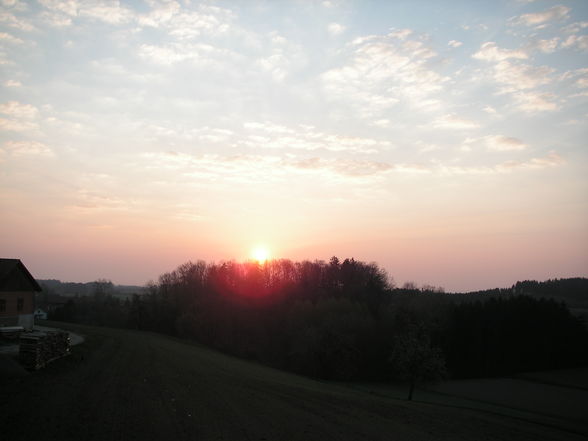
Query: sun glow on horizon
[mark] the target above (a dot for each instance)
(260, 253)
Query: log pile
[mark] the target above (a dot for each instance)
(39, 348)
(11, 332)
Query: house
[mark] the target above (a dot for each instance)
(40, 314)
(17, 294)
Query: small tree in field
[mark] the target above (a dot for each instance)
(414, 359)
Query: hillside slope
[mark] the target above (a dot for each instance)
(125, 385)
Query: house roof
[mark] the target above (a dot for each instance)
(14, 276)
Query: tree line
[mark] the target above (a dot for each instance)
(345, 320)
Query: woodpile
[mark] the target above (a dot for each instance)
(39, 348)
(11, 332)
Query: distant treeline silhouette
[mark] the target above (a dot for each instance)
(346, 320)
(572, 291)
(70, 289)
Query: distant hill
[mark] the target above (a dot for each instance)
(72, 289)
(573, 292)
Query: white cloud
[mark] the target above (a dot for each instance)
(381, 123)
(261, 168)
(574, 28)
(109, 12)
(497, 143)
(582, 82)
(452, 121)
(401, 34)
(274, 65)
(519, 79)
(490, 52)
(160, 14)
(184, 24)
(5, 59)
(582, 94)
(558, 12)
(552, 159)
(18, 110)
(17, 125)
(168, 15)
(214, 135)
(346, 167)
(173, 134)
(335, 29)
(454, 43)
(532, 102)
(56, 19)
(116, 71)
(521, 76)
(27, 148)
(475, 27)
(283, 58)
(15, 22)
(8, 38)
(247, 169)
(268, 135)
(579, 42)
(504, 143)
(67, 7)
(60, 13)
(20, 117)
(177, 52)
(579, 77)
(271, 54)
(268, 127)
(258, 168)
(384, 70)
(241, 169)
(546, 46)
(12, 83)
(87, 200)
(169, 54)
(427, 147)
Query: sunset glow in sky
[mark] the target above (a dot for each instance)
(446, 141)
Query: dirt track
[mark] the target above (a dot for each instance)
(123, 385)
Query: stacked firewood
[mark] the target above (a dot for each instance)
(39, 348)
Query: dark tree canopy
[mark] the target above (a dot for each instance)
(345, 320)
(415, 359)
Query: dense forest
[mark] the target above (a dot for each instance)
(573, 292)
(346, 320)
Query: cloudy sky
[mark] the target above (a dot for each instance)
(446, 141)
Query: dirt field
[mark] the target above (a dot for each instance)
(124, 385)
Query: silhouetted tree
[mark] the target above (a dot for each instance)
(414, 359)
(102, 288)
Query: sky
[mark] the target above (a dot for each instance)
(445, 141)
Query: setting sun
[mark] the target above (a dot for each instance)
(260, 253)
